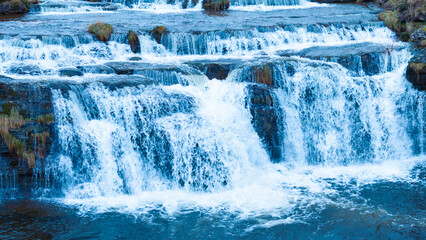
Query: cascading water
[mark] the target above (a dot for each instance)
(50, 53)
(52, 6)
(303, 127)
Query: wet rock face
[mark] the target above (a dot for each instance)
(265, 119)
(216, 5)
(262, 74)
(13, 6)
(26, 124)
(27, 118)
(416, 70)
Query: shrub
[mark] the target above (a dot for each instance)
(101, 30)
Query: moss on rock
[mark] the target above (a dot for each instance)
(158, 32)
(13, 6)
(263, 75)
(216, 5)
(416, 70)
(101, 30)
(26, 139)
(403, 16)
(134, 43)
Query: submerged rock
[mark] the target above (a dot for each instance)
(185, 3)
(70, 72)
(135, 59)
(26, 70)
(134, 42)
(13, 6)
(99, 69)
(416, 70)
(101, 30)
(128, 68)
(216, 5)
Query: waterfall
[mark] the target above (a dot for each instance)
(44, 54)
(259, 124)
(61, 6)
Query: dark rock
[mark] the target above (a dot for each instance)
(185, 3)
(157, 33)
(217, 71)
(133, 39)
(98, 69)
(416, 70)
(26, 70)
(213, 70)
(368, 62)
(70, 72)
(265, 119)
(216, 5)
(218, 68)
(13, 6)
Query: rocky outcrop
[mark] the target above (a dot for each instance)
(13, 6)
(134, 42)
(403, 16)
(416, 70)
(158, 32)
(419, 37)
(265, 117)
(216, 5)
(102, 31)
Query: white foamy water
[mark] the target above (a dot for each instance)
(181, 148)
(193, 145)
(51, 53)
(162, 6)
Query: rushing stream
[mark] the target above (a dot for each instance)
(328, 145)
